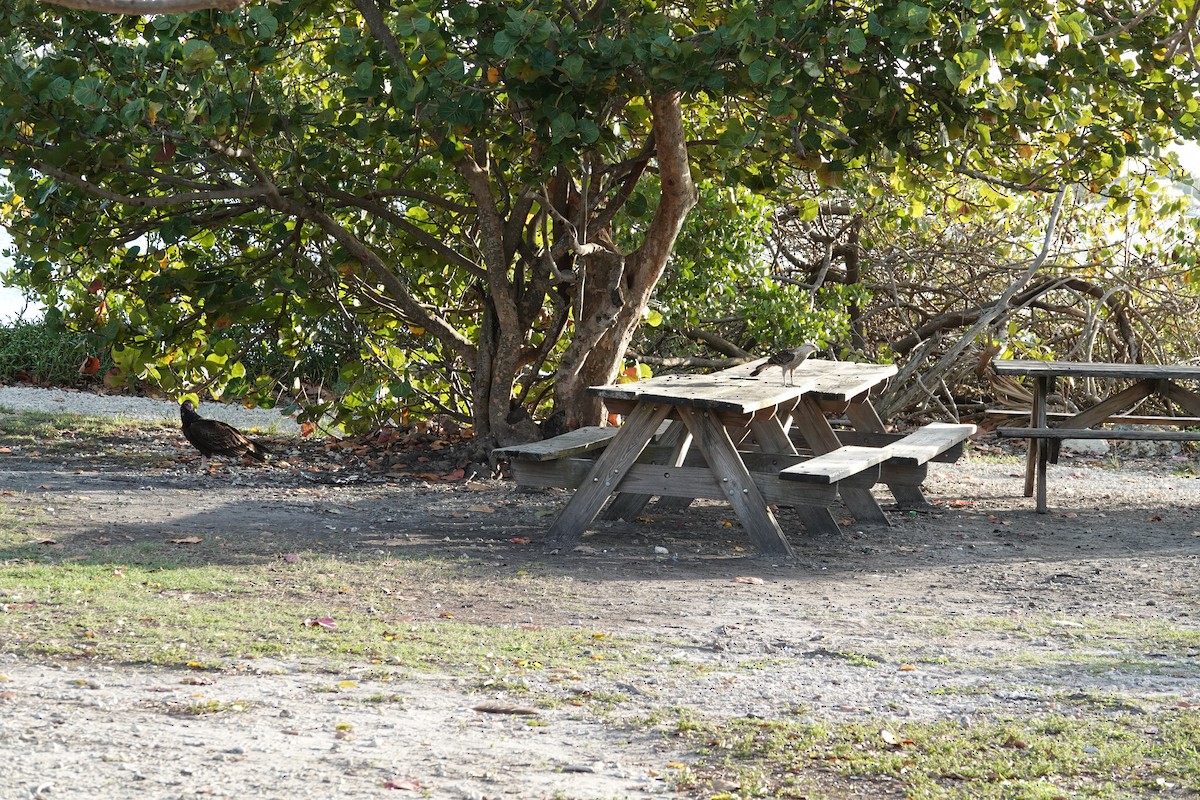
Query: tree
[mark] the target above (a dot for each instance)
(448, 175)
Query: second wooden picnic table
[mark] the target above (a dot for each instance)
(719, 414)
(1160, 380)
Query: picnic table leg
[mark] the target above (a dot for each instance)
(864, 417)
(608, 471)
(772, 437)
(1039, 449)
(628, 505)
(822, 439)
(736, 483)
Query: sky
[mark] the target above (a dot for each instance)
(12, 303)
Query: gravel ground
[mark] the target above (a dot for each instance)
(979, 610)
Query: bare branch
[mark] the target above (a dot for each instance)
(206, 196)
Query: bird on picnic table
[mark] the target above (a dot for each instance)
(215, 438)
(787, 361)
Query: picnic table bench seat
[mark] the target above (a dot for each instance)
(837, 465)
(1099, 433)
(571, 443)
(1122, 419)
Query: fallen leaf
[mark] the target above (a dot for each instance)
(384, 542)
(907, 668)
(889, 738)
(520, 540)
(407, 784)
(322, 622)
(482, 509)
(584, 549)
(186, 540)
(749, 579)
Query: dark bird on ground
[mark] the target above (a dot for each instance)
(215, 438)
(787, 360)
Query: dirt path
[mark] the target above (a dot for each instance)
(979, 610)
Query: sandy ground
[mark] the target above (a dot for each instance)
(977, 610)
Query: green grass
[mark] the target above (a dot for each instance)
(52, 357)
(153, 603)
(59, 433)
(1040, 758)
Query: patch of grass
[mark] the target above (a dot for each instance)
(35, 433)
(208, 708)
(190, 613)
(1038, 758)
(1111, 634)
(52, 356)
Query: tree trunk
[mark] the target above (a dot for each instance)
(618, 288)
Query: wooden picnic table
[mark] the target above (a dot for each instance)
(1045, 436)
(728, 436)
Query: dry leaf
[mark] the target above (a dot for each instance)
(186, 540)
(749, 579)
(907, 668)
(407, 784)
(482, 509)
(321, 622)
(584, 550)
(889, 738)
(384, 542)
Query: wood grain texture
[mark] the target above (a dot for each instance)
(930, 441)
(739, 488)
(1089, 369)
(1140, 435)
(571, 443)
(836, 465)
(608, 471)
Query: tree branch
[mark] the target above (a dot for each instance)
(147, 7)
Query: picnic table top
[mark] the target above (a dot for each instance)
(1093, 369)
(735, 390)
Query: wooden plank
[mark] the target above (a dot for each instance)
(607, 472)
(716, 391)
(740, 489)
(1088, 369)
(571, 443)
(1115, 419)
(1099, 433)
(837, 465)
(628, 505)
(654, 479)
(930, 441)
(1184, 398)
(1120, 401)
(734, 390)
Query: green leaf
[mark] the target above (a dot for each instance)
(263, 22)
(856, 40)
(58, 89)
(87, 93)
(198, 55)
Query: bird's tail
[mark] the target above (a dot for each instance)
(759, 369)
(258, 450)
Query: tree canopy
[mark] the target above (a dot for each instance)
(486, 195)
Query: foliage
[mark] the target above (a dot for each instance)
(440, 183)
(30, 351)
